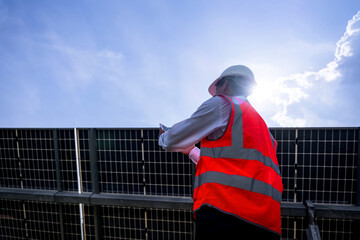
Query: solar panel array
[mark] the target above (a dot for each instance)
(317, 164)
(320, 165)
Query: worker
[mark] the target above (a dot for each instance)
(238, 187)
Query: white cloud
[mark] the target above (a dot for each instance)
(298, 88)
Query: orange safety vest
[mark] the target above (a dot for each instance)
(238, 173)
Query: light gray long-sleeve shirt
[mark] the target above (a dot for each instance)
(210, 120)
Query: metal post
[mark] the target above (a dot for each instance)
(79, 182)
(312, 232)
(78, 161)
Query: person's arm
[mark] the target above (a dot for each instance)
(211, 116)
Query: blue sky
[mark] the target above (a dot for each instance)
(137, 63)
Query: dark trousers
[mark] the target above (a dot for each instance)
(213, 224)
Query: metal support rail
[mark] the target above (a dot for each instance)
(313, 232)
(182, 203)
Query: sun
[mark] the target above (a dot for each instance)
(262, 94)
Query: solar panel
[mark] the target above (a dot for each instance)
(131, 162)
(84, 150)
(42, 220)
(166, 224)
(36, 159)
(286, 140)
(327, 163)
(120, 163)
(339, 229)
(168, 174)
(9, 159)
(293, 227)
(12, 224)
(317, 164)
(89, 222)
(122, 223)
(66, 143)
(70, 221)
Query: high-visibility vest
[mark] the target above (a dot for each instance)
(238, 173)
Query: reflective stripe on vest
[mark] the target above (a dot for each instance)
(241, 182)
(247, 154)
(244, 181)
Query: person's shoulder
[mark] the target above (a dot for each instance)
(216, 100)
(214, 103)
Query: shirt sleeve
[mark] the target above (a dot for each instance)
(212, 116)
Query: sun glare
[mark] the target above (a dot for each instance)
(262, 94)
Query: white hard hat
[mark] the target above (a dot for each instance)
(236, 70)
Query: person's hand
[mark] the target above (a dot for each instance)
(187, 151)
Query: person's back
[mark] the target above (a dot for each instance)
(238, 174)
(237, 189)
